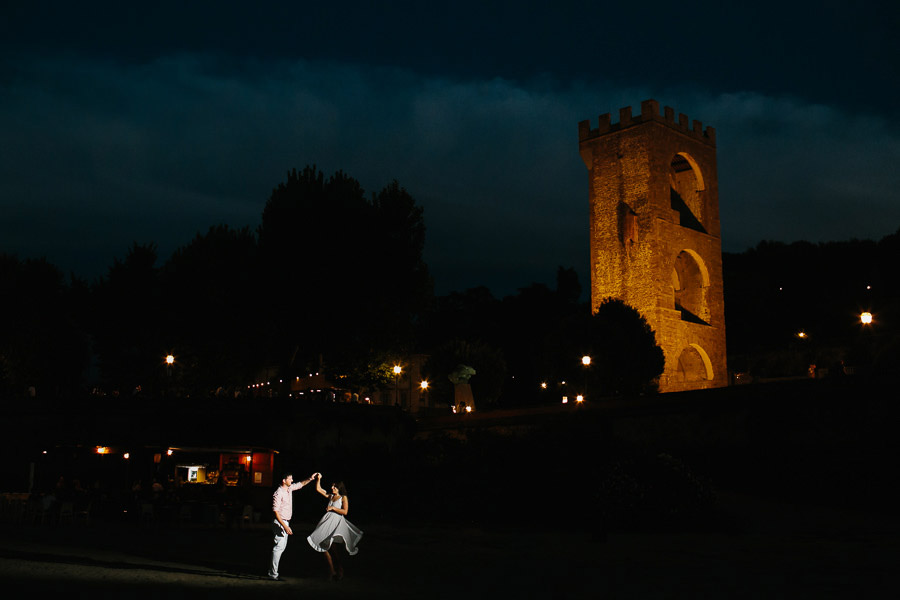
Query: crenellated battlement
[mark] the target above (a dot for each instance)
(649, 112)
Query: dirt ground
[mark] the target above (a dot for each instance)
(774, 551)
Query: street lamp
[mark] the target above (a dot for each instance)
(170, 361)
(586, 361)
(424, 387)
(865, 318)
(397, 371)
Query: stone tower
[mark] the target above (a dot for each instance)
(655, 237)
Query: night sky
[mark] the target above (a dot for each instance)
(144, 122)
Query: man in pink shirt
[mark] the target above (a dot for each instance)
(282, 506)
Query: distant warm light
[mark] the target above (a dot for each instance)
(579, 398)
(866, 318)
(468, 409)
(543, 385)
(868, 287)
(586, 360)
(424, 385)
(454, 409)
(565, 400)
(102, 450)
(170, 360)
(249, 459)
(801, 334)
(397, 369)
(169, 452)
(126, 456)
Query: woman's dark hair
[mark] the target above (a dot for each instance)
(342, 489)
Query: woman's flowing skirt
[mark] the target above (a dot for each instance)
(335, 528)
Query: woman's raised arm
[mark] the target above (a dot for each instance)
(319, 485)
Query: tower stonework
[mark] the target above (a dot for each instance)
(655, 235)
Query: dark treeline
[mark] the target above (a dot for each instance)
(790, 306)
(334, 281)
(331, 280)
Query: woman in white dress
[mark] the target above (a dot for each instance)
(334, 528)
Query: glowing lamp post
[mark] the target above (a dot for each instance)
(586, 361)
(170, 361)
(397, 371)
(865, 318)
(424, 387)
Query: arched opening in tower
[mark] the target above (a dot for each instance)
(686, 185)
(690, 284)
(693, 365)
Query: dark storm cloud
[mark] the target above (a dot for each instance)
(177, 146)
(122, 124)
(834, 51)
(790, 170)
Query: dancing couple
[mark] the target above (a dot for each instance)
(332, 531)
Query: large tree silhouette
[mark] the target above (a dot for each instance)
(625, 359)
(212, 303)
(127, 316)
(343, 275)
(43, 346)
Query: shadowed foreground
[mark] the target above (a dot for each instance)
(771, 550)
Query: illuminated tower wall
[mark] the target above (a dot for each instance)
(655, 236)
